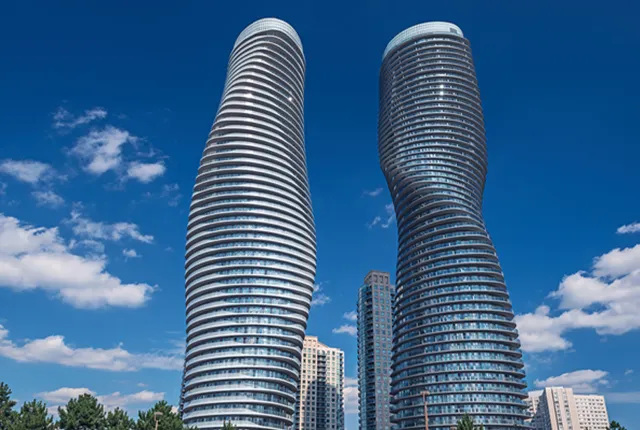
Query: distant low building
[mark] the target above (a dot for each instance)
(558, 408)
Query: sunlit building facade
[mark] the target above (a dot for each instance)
(250, 251)
(454, 330)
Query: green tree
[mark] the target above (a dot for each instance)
(7, 414)
(83, 413)
(615, 425)
(466, 423)
(228, 426)
(119, 420)
(167, 419)
(34, 416)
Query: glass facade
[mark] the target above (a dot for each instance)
(250, 252)
(454, 329)
(374, 311)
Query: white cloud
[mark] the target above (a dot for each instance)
(3, 188)
(347, 329)
(350, 395)
(628, 372)
(130, 253)
(374, 222)
(351, 316)
(37, 258)
(101, 150)
(62, 118)
(54, 349)
(29, 171)
(319, 298)
(111, 401)
(372, 193)
(582, 381)
(48, 198)
(145, 172)
(388, 220)
(98, 230)
(391, 216)
(629, 228)
(606, 300)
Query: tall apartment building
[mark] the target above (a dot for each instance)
(250, 251)
(558, 408)
(454, 330)
(374, 309)
(320, 403)
(592, 412)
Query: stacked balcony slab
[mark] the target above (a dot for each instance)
(454, 330)
(250, 252)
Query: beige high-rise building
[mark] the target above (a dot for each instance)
(320, 403)
(558, 408)
(592, 412)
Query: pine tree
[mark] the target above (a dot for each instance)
(34, 416)
(7, 414)
(119, 420)
(83, 413)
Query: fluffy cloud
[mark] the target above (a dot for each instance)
(606, 300)
(98, 230)
(47, 198)
(346, 329)
(582, 381)
(319, 298)
(145, 172)
(63, 119)
(350, 395)
(101, 150)
(130, 253)
(37, 258)
(29, 171)
(351, 316)
(629, 228)
(54, 349)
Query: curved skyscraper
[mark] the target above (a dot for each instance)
(454, 330)
(250, 253)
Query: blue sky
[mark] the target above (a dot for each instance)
(105, 110)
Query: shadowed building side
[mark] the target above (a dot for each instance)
(251, 250)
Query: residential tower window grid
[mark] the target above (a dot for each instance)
(454, 329)
(320, 401)
(251, 249)
(374, 312)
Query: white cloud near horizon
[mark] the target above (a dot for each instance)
(54, 350)
(606, 300)
(130, 253)
(350, 395)
(37, 258)
(63, 119)
(581, 381)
